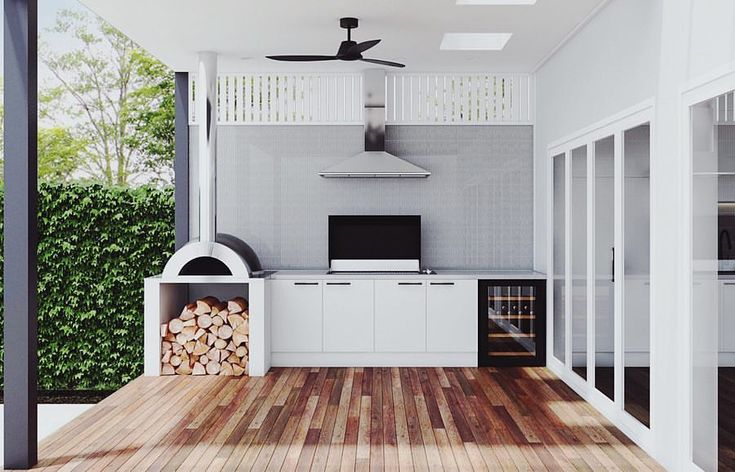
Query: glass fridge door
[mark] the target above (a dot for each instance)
(512, 322)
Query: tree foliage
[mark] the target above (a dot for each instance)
(59, 151)
(152, 111)
(118, 99)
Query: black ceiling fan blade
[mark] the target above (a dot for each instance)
(359, 48)
(303, 58)
(383, 63)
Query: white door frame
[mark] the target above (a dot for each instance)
(615, 126)
(696, 91)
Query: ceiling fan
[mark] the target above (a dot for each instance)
(349, 50)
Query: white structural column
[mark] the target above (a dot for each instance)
(669, 342)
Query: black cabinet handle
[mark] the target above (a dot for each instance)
(339, 283)
(410, 283)
(306, 283)
(613, 264)
(441, 283)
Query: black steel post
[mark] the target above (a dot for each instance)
(21, 234)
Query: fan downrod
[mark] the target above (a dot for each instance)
(349, 23)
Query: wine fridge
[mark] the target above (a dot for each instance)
(512, 322)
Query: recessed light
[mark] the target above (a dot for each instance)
(474, 41)
(496, 2)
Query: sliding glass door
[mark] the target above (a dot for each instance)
(604, 240)
(600, 257)
(559, 267)
(578, 225)
(637, 271)
(712, 190)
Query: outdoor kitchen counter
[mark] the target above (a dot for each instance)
(322, 274)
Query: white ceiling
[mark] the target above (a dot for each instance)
(243, 31)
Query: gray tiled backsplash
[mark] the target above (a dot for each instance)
(476, 207)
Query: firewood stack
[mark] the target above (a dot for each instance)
(209, 337)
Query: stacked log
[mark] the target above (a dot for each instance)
(209, 337)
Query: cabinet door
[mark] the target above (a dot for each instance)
(727, 317)
(296, 316)
(348, 316)
(451, 316)
(400, 316)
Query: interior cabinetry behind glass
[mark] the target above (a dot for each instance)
(559, 264)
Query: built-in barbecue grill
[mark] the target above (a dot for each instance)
(212, 254)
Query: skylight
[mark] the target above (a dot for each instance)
(496, 2)
(474, 41)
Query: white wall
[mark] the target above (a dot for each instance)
(711, 36)
(697, 40)
(630, 51)
(608, 66)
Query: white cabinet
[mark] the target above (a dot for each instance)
(330, 321)
(727, 316)
(451, 316)
(400, 316)
(348, 316)
(296, 316)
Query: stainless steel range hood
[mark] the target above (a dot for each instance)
(374, 162)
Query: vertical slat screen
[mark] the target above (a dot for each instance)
(725, 109)
(411, 98)
(247, 91)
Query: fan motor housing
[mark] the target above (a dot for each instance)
(348, 22)
(343, 48)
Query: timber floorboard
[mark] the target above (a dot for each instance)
(726, 418)
(345, 419)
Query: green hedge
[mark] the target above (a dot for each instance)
(97, 244)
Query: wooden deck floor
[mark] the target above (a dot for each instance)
(344, 419)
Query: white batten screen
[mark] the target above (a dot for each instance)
(411, 99)
(247, 99)
(459, 99)
(725, 109)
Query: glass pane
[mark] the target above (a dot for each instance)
(559, 255)
(604, 274)
(726, 250)
(511, 321)
(579, 261)
(637, 283)
(705, 290)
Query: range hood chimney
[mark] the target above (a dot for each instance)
(374, 162)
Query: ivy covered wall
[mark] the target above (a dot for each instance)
(96, 246)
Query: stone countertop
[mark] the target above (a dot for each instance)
(454, 274)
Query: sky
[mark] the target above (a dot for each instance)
(47, 10)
